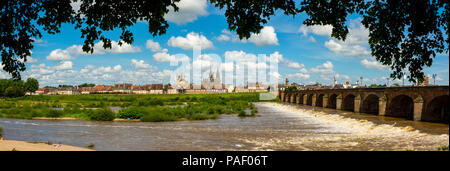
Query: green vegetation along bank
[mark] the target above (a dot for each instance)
(147, 108)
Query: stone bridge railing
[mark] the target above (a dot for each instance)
(429, 103)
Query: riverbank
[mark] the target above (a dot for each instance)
(146, 108)
(14, 145)
(73, 119)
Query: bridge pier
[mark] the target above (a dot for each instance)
(357, 103)
(382, 105)
(418, 106)
(325, 101)
(313, 100)
(297, 99)
(339, 102)
(305, 99)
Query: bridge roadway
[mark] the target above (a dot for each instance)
(430, 103)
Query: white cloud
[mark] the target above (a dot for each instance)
(295, 65)
(266, 37)
(41, 69)
(275, 75)
(275, 57)
(354, 45)
(31, 60)
(163, 57)
(163, 74)
(102, 70)
(63, 74)
(346, 49)
(141, 64)
(59, 55)
(166, 57)
(373, 65)
(99, 50)
(190, 41)
(116, 48)
(239, 56)
(300, 76)
(117, 68)
(227, 36)
(251, 60)
(223, 38)
(64, 65)
(154, 46)
(325, 68)
(321, 30)
(188, 11)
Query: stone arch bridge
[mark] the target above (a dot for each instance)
(429, 103)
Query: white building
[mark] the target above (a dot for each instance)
(211, 82)
(181, 83)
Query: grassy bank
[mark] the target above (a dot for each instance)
(147, 108)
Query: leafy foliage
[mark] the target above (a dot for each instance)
(86, 85)
(403, 34)
(249, 16)
(31, 85)
(101, 115)
(20, 21)
(11, 88)
(55, 113)
(290, 88)
(144, 107)
(130, 113)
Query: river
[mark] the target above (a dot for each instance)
(277, 127)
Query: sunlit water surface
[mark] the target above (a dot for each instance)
(277, 127)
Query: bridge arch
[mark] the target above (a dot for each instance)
(292, 100)
(332, 101)
(437, 110)
(402, 106)
(319, 100)
(300, 98)
(309, 99)
(349, 102)
(288, 97)
(370, 104)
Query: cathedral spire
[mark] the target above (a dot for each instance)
(211, 77)
(182, 75)
(218, 75)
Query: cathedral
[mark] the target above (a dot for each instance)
(181, 83)
(211, 82)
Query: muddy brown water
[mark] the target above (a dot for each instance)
(275, 128)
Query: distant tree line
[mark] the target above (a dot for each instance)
(69, 86)
(17, 88)
(86, 85)
(291, 88)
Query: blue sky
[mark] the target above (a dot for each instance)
(306, 54)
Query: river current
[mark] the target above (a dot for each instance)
(277, 127)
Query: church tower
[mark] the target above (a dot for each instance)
(218, 75)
